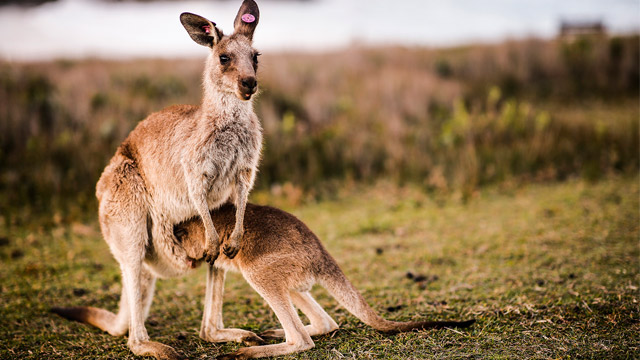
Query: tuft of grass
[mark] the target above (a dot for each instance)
(548, 271)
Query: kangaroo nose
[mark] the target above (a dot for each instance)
(250, 83)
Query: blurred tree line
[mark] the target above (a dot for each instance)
(446, 119)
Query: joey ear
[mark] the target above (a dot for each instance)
(247, 19)
(201, 30)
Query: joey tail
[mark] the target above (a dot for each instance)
(334, 280)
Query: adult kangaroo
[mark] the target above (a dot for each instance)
(181, 162)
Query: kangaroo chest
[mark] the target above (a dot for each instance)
(232, 148)
(235, 146)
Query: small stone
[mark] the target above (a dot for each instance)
(79, 292)
(420, 278)
(394, 308)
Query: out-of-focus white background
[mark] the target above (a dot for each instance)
(82, 28)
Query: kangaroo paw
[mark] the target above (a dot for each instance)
(210, 256)
(230, 251)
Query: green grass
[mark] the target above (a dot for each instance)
(549, 271)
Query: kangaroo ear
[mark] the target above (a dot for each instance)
(201, 30)
(247, 19)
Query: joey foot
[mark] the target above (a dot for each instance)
(253, 340)
(272, 334)
(225, 335)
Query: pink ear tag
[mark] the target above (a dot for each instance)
(207, 29)
(248, 18)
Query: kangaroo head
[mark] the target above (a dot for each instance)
(190, 235)
(232, 64)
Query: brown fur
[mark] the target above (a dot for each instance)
(281, 259)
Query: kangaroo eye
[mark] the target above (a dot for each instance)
(180, 233)
(255, 57)
(224, 59)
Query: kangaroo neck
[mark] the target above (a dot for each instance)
(219, 107)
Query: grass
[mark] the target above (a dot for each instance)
(548, 270)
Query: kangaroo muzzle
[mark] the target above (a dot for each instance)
(247, 87)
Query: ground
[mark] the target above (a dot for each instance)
(548, 270)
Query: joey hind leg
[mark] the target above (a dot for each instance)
(321, 322)
(212, 328)
(297, 338)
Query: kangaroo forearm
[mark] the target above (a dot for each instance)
(241, 204)
(240, 209)
(209, 228)
(197, 186)
(244, 184)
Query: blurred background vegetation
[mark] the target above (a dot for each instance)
(449, 120)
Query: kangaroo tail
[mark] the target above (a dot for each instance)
(349, 297)
(100, 318)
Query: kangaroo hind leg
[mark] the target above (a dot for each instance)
(297, 338)
(212, 328)
(138, 285)
(321, 322)
(123, 219)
